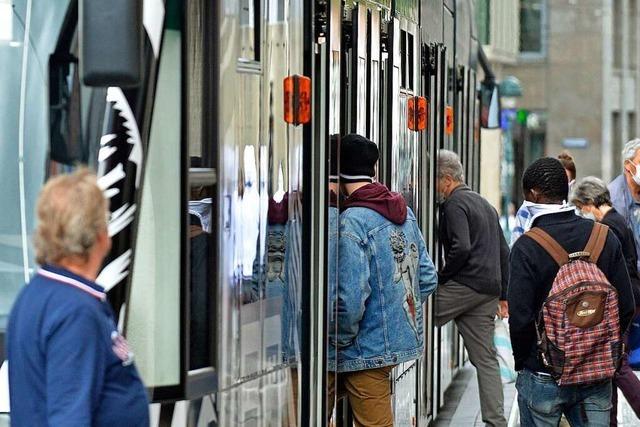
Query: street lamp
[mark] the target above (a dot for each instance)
(510, 90)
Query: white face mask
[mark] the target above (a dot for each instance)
(588, 215)
(636, 175)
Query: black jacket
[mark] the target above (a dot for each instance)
(476, 253)
(618, 225)
(533, 271)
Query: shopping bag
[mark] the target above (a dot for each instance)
(634, 343)
(502, 341)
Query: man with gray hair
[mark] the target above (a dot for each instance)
(68, 363)
(625, 190)
(473, 281)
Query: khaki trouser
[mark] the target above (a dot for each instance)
(474, 315)
(369, 394)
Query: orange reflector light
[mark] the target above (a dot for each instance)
(449, 120)
(417, 113)
(297, 100)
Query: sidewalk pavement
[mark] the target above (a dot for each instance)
(462, 406)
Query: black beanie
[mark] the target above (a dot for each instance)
(358, 158)
(333, 160)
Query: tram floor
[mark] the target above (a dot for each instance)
(462, 406)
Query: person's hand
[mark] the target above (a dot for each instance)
(503, 309)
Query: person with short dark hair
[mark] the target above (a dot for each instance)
(529, 212)
(533, 270)
(591, 197)
(384, 277)
(473, 280)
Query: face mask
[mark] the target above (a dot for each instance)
(636, 175)
(588, 215)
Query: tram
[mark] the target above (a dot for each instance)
(210, 135)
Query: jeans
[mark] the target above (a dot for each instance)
(542, 402)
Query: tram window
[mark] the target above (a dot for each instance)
(411, 60)
(532, 31)
(200, 221)
(403, 58)
(250, 18)
(154, 313)
(76, 112)
(16, 252)
(201, 266)
(375, 102)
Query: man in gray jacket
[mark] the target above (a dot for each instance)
(473, 280)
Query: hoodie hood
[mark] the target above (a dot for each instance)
(278, 212)
(333, 199)
(377, 197)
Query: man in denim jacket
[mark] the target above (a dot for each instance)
(384, 276)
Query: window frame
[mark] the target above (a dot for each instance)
(533, 56)
(202, 381)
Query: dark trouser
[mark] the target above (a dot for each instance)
(474, 314)
(629, 384)
(542, 402)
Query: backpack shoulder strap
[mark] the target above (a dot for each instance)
(549, 244)
(596, 242)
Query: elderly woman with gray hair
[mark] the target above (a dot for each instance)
(591, 197)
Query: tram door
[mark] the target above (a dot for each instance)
(356, 89)
(473, 168)
(448, 336)
(402, 149)
(362, 68)
(431, 80)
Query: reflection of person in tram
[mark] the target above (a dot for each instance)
(332, 243)
(199, 300)
(200, 205)
(277, 273)
(248, 225)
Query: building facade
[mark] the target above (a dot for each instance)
(578, 65)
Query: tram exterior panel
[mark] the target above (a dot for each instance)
(212, 279)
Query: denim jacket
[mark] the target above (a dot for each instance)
(384, 276)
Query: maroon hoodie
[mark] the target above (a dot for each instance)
(377, 197)
(278, 212)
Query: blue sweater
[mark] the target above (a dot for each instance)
(68, 366)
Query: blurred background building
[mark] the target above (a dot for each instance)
(577, 64)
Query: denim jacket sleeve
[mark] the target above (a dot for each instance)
(428, 275)
(353, 287)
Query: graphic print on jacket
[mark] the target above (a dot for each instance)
(275, 256)
(406, 268)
